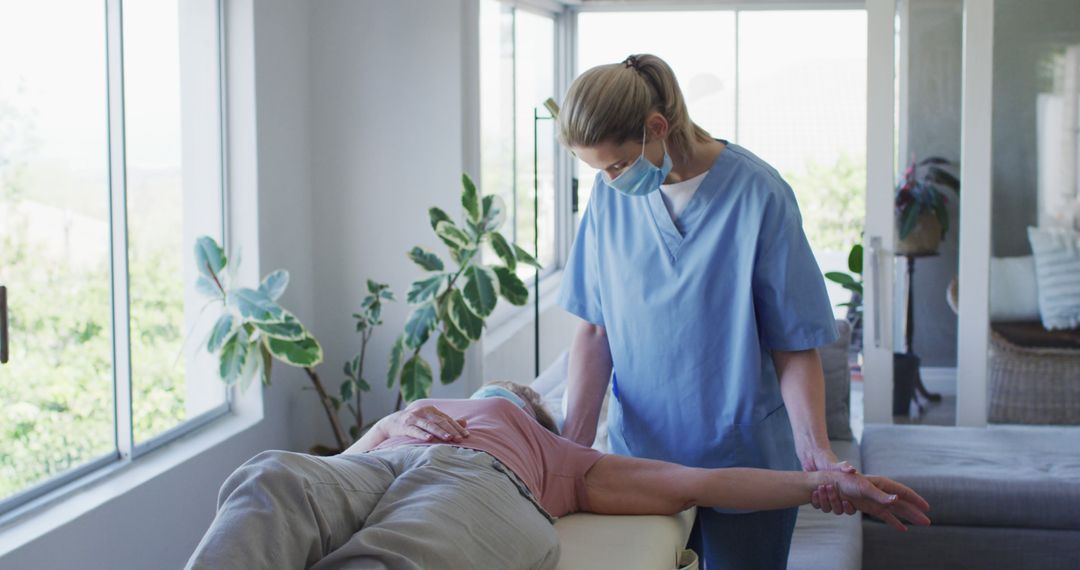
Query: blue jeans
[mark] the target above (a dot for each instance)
(749, 541)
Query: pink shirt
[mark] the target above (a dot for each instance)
(552, 467)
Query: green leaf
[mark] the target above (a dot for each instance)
(354, 432)
(451, 361)
(374, 287)
(454, 336)
(426, 289)
(363, 385)
(415, 379)
(252, 363)
(207, 288)
(494, 212)
(839, 277)
(347, 390)
(462, 318)
(256, 306)
(222, 329)
(854, 260)
(336, 403)
(503, 250)
(396, 352)
(267, 362)
(303, 353)
(437, 215)
(481, 290)
(910, 218)
(524, 257)
(419, 325)
(289, 329)
(452, 236)
(425, 259)
(209, 258)
(274, 285)
(511, 287)
(233, 354)
(470, 200)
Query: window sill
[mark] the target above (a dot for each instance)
(508, 319)
(51, 511)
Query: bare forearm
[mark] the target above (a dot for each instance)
(802, 385)
(370, 440)
(752, 489)
(589, 373)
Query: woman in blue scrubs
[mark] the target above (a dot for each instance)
(701, 302)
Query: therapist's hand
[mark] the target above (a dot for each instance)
(426, 423)
(823, 498)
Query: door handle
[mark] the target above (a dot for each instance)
(3, 326)
(875, 300)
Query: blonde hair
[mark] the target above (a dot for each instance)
(609, 103)
(531, 397)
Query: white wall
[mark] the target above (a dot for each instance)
(387, 133)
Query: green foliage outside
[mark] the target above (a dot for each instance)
(57, 389)
(832, 199)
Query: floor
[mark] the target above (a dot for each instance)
(942, 413)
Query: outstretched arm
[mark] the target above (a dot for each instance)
(632, 486)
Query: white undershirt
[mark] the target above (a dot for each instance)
(677, 195)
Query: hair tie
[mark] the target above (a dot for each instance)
(631, 61)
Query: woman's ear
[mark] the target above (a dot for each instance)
(657, 125)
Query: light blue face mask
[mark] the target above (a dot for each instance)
(642, 177)
(490, 391)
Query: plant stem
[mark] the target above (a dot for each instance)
(328, 406)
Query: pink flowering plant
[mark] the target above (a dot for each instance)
(921, 190)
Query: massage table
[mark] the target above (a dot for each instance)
(589, 541)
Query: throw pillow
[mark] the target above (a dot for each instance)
(1014, 295)
(834, 361)
(1057, 274)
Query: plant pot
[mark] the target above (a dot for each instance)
(923, 239)
(905, 376)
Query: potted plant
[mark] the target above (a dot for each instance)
(920, 203)
(252, 330)
(455, 300)
(852, 282)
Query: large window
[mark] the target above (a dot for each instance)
(788, 85)
(518, 145)
(110, 166)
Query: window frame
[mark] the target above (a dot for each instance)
(125, 449)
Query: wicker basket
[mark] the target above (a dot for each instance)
(1030, 385)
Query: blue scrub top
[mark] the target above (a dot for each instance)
(692, 311)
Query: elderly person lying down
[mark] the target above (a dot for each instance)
(476, 483)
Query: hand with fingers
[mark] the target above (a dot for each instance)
(822, 459)
(425, 423)
(879, 497)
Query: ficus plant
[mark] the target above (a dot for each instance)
(252, 329)
(369, 317)
(453, 301)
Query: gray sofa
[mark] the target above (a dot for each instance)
(1000, 497)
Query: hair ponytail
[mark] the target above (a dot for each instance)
(609, 103)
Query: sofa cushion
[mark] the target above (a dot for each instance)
(1008, 476)
(834, 361)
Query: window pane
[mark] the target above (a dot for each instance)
(802, 108)
(57, 389)
(534, 81)
(497, 107)
(706, 75)
(174, 195)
